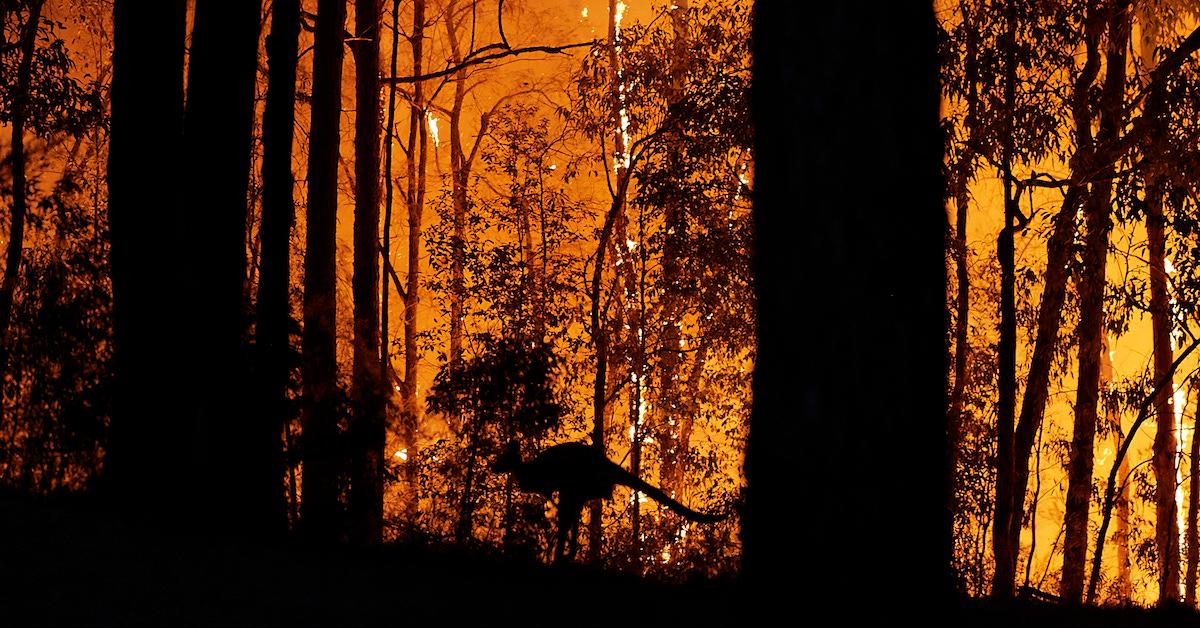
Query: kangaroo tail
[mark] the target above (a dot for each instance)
(657, 494)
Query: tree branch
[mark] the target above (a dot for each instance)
(506, 52)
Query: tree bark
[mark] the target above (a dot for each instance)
(1006, 541)
(369, 426)
(278, 216)
(1166, 531)
(460, 173)
(417, 151)
(1097, 214)
(322, 463)
(671, 432)
(801, 426)
(144, 220)
(1058, 253)
(241, 488)
(385, 352)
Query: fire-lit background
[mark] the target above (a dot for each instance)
(587, 175)
(1073, 304)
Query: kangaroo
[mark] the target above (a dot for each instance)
(579, 473)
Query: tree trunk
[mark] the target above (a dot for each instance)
(318, 347)
(674, 447)
(369, 427)
(1058, 253)
(278, 215)
(1097, 213)
(20, 203)
(385, 353)
(893, 440)
(417, 151)
(460, 173)
(1124, 583)
(239, 485)
(1006, 537)
(1166, 531)
(1193, 533)
(144, 221)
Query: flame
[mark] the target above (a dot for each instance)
(584, 13)
(402, 455)
(433, 128)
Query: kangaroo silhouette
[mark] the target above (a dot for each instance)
(579, 473)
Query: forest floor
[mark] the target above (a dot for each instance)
(75, 564)
(78, 565)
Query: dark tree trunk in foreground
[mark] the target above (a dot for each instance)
(278, 215)
(319, 510)
(144, 215)
(368, 428)
(829, 80)
(238, 488)
(1097, 216)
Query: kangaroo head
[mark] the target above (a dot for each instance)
(509, 459)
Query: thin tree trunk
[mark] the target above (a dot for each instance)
(20, 203)
(460, 172)
(242, 489)
(417, 151)
(1124, 584)
(960, 253)
(1097, 212)
(600, 333)
(674, 447)
(1193, 531)
(369, 427)
(1058, 253)
(385, 351)
(1006, 543)
(319, 361)
(278, 215)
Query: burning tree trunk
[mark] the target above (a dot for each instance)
(143, 202)
(1193, 533)
(319, 402)
(672, 441)
(614, 223)
(278, 215)
(369, 423)
(218, 135)
(1097, 213)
